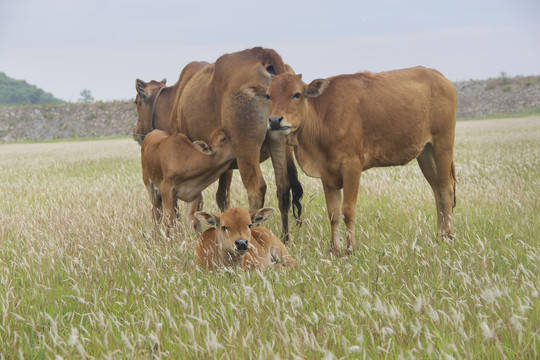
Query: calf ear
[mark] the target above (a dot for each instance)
(316, 87)
(203, 147)
(254, 90)
(261, 215)
(139, 86)
(207, 218)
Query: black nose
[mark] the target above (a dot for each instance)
(241, 245)
(275, 122)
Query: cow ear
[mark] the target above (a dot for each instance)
(254, 90)
(261, 215)
(203, 147)
(316, 87)
(139, 86)
(207, 218)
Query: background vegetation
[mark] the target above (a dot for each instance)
(15, 92)
(84, 274)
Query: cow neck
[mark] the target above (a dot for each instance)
(153, 118)
(312, 131)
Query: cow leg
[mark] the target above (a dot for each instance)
(169, 199)
(193, 207)
(438, 171)
(351, 181)
(333, 202)
(253, 180)
(277, 149)
(223, 194)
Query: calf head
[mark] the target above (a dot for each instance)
(220, 146)
(144, 100)
(233, 227)
(287, 95)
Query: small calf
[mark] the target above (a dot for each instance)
(175, 168)
(235, 241)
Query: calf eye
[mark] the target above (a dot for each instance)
(224, 228)
(297, 95)
(250, 226)
(267, 97)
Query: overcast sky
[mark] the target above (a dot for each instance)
(65, 46)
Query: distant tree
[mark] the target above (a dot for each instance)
(86, 96)
(16, 92)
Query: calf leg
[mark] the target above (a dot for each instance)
(193, 207)
(333, 202)
(169, 210)
(157, 204)
(223, 194)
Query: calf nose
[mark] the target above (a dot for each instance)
(275, 122)
(241, 245)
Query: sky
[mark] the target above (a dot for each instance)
(66, 46)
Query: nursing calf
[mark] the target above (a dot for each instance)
(235, 241)
(175, 168)
(346, 124)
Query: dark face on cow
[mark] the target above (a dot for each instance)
(233, 227)
(144, 100)
(287, 96)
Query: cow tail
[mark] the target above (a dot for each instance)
(297, 191)
(453, 169)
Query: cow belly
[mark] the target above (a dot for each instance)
(392, 156)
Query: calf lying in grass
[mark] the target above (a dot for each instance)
(235, 241)
(175, 168)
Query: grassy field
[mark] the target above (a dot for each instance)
(83, 273)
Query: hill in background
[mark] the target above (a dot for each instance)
(16, 92)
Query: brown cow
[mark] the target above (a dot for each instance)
(175, 168)
(212, 99)
(233, 241)
(349, 123)
(153, 114)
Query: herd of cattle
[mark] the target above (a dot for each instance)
(249, 106)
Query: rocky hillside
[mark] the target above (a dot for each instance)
(482, 98)
(478, 98)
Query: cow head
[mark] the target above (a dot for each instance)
(233, 227)
(288, 96)
(144, 100)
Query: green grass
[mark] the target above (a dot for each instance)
(84, 274)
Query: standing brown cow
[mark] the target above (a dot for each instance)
(349, 123)
(212, 99)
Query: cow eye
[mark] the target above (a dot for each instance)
(224, 139)
(224, 228)
(250, 226)
(267, 97)
(296, 96)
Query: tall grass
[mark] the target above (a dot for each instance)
(84, 273)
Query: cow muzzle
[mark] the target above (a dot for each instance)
(241, 246)
(276, 123)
